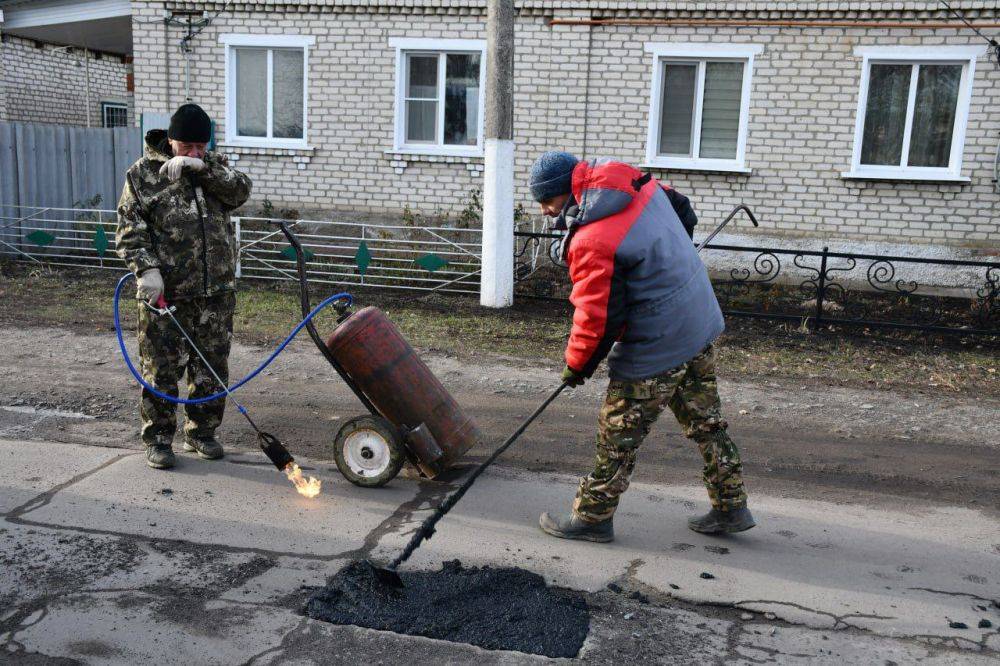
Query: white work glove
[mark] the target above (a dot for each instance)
(150, 285)
(172, 167)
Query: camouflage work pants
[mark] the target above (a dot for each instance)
(630, 410)
(164, 357)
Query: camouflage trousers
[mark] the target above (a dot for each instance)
(164, 356)
(630, 410)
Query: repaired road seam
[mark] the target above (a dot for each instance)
(426, 492)
(43, 499)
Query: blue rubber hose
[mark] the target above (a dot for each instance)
(237, 385)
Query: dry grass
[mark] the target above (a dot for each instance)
(535, 331)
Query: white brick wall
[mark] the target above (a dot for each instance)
(800, 132)
(44, 85)
(798, 144)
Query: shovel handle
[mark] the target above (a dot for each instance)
(426, 529)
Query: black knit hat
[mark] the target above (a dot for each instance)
(190, 123)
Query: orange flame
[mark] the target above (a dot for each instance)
(306, 488)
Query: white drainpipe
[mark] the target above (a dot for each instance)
(86, 67)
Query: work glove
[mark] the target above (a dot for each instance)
(150, 285)
(573, 378)
(172, 168)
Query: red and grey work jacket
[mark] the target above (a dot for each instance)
(642, 296)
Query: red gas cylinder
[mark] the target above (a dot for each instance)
(387, 370)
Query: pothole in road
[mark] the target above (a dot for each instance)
(496, 609)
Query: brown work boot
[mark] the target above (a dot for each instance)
(209, 449)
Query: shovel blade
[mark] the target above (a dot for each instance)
(385, 576)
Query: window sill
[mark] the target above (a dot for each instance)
(247, 148)
(400, 160)
(236, 152)
(431, 155)
(904, 176)
(696, 168)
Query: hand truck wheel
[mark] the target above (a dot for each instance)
(368, 451)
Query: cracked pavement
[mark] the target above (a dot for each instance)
(106, 561)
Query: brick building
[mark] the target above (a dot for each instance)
(66, 62)
(48, 83)
(874, 121)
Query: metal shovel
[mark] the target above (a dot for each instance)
(387, 576)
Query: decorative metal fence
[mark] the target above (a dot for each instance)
(817, 288)
(536, 252)
(59, 236)
(441, 259)
(345, 253)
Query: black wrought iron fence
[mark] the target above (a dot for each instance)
(815, 288)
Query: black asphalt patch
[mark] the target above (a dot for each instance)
(496, 609)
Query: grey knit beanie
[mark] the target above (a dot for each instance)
(552, 175)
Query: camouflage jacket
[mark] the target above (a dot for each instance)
(181, 227)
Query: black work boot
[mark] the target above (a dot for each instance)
(575, 527)
(209, 449)
(160, 456)
(717, 521)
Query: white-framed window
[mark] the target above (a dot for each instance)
(114, 114)
(267, 90)
(699, 105)
(439, 96)
(913, 108)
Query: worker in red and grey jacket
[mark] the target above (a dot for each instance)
(644, 301)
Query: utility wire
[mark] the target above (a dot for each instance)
(994, 45)
(201, 25)
(198, 26)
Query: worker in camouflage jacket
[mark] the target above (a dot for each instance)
(176, 235)
(642, 299)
